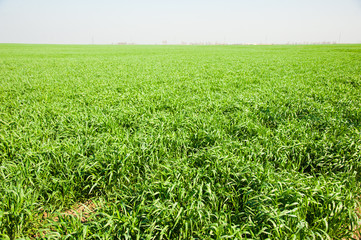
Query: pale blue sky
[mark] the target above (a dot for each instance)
(175, 21)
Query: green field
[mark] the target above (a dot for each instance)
(180, 142)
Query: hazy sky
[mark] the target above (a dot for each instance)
(176, 21)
